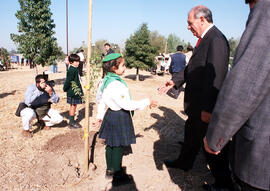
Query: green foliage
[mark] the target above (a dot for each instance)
(4, 57)
(233, 43)
(173, 41)
(158, 42)
(138, 50)
(77, 90)
(96, 58)
(115, 47)
(99, 46)
(12, 52)
(98, 49)
(95, 74)
(36, 41)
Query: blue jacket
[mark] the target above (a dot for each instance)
(178, 62)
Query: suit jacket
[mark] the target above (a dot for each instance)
(243, 106)
(178, 62)
(110, 51)
(205, 73)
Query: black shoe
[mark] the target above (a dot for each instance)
(74, 126)
(206, 186)
(175, 164)
(213, 187)
(180, 143)
(121, 178)
(109, 174)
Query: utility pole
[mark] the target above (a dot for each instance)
(67, 23)
(165, 51)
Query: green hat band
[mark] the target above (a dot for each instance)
(111, 56)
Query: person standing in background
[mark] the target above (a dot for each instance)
(108, 49)
(178, 60)
(82, 61)
(188, 54)
(178, 63)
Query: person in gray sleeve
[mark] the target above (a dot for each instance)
(38, 98)
(243, 106)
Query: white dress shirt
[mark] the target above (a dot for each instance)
(80, 54)
(116, 97)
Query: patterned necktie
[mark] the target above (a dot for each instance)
(198, 42)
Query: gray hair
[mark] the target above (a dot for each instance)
(202, 11)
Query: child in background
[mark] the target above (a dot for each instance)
(117, 127)
(72, 98)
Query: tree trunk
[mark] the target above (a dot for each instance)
(137, 74)
(34, 65)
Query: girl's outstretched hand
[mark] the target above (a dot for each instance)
(153, 103)
(97, 123)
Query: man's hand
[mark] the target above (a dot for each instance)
(166, 87)
(205, 116)
(153, 103)
(49, 90)
(207, 148)
(97, 123)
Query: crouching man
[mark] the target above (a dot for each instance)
(38, 98)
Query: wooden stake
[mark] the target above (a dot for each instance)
(87, 93)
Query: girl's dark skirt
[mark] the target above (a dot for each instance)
(74, 100)
(117, 128)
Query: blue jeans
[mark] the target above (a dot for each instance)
(54, 68)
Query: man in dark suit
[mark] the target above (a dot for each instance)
(242, 110)
(203, 76)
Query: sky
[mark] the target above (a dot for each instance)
(116, 20)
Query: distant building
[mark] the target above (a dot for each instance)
(17, 59)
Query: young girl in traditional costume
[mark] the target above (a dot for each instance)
(116, 122)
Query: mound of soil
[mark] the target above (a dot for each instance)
(69, 140)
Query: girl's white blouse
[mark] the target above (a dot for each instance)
(116, 97)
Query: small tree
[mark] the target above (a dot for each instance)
(99, 46)
(36, 41)
(4, 57)
(139, 53)
(172, 42)
(158, 41)
(233, 43)
(115, 47)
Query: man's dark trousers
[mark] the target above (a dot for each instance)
(195, 130)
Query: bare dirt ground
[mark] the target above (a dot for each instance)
(54, 160)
